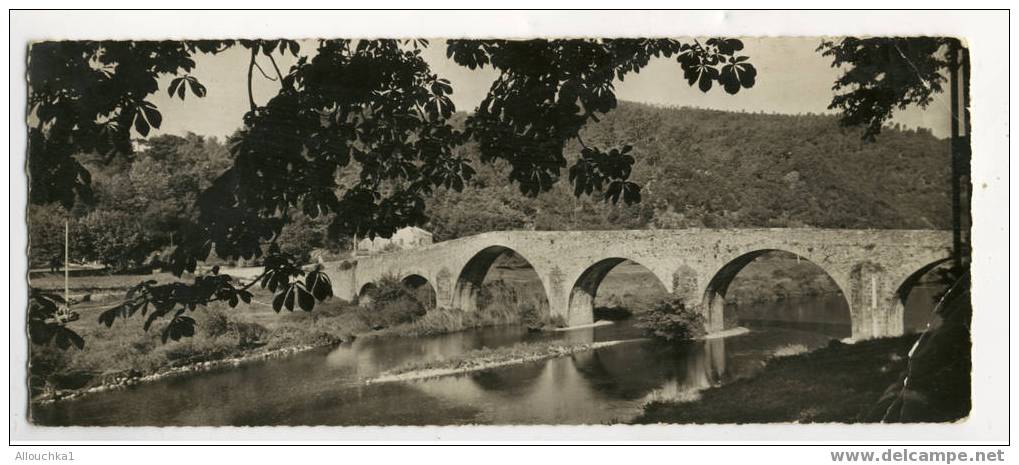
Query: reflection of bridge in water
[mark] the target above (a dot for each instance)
(607, 384)
(874, 269)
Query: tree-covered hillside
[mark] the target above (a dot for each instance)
(697, 168)
(707, 168)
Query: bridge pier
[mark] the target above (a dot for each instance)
(875, 301)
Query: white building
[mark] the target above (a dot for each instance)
(405, 238)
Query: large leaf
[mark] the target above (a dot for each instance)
(319, 284)
(737, 75)
(180, 326)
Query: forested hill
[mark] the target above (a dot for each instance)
(698, 168)
(707, 168)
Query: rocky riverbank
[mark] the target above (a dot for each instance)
(124, 379)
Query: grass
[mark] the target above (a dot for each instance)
(95, 283)
(127, 349)
(838, 383)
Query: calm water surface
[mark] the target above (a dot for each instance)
(326, 386)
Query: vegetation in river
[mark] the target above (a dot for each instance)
(486, 358)
(613, 313)
(673, 320)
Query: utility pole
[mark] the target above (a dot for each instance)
(958, 62)
(67, 263)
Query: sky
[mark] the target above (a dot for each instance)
(792, 78)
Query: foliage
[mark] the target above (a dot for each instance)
(373, 103)
(391, 303)
(45, 323)
(86, 97)
(303, 234)
(531, 317)
(883, 74)
(139, 202)
(46, 235)
(350, 101)
(613, 313)
(672, 319)
(448, 320)
(117, 239)
(547, 90)
(177, 298)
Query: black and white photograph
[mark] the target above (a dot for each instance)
(264, 230)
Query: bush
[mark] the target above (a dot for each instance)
(250, 334)
(392, 303)
(531, 317)
(216, 323)
(401, 310)
(673, 320)
(497, 292)
(614, 313)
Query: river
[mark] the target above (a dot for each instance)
(327, 386)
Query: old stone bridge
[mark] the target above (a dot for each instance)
(875, 269)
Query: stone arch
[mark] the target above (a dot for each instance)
(472, 276)
(580, 308)
(423, 289)
(717, 287)
(903, 289)
(362, 294)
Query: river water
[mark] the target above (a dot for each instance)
(327, 386)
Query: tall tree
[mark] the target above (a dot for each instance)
(884, 74)
(371, 108)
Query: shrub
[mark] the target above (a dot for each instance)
(216, 323)
(250, 334)
(497, 292)
(672, 320)
(401, 310)
(392, 303)
(531, 317)
(614, 313)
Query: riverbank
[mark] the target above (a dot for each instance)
(132, 378)
(125, 354)
(839, 383)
